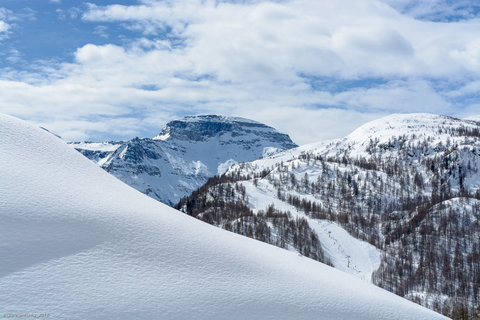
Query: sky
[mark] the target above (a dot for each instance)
(109, 70)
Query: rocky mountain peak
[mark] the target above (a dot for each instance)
(204, 127)
(186, 153)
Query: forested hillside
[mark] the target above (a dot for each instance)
(409, 185)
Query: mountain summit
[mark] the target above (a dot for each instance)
(396, 202)
(78, 244)
(387, 136)
(185, 154)
(200, 128)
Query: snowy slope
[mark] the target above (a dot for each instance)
(76, 243)
(344, 251)
(378, 135)
(473, 118)
(185, 154)
(377, 201)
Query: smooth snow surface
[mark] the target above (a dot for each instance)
(76, 243)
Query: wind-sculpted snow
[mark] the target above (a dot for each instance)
(76, 243)
(185, 154)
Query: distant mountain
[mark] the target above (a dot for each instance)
(77, 243)
(396, 202)
(185, 154)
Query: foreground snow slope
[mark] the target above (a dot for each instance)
(76, 243)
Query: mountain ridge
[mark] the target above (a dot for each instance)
(76, 243)
(185, 153)
(391, 183)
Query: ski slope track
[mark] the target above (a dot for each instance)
(76, 243)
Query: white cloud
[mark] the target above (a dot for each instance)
(397, 96)
(348, 38)
(101, 31)
(312, 125)
(4, 26)
(256, 60)
(472, 110)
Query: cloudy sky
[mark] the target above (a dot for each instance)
(317, 69)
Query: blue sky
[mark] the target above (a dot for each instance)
(102, 70)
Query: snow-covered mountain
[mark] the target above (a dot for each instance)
(385, 137)
(474, 117)
(76, 243)
(185, 154)
(396, 202)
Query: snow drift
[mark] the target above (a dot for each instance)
(76, 243)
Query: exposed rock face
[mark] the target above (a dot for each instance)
(185, 154)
